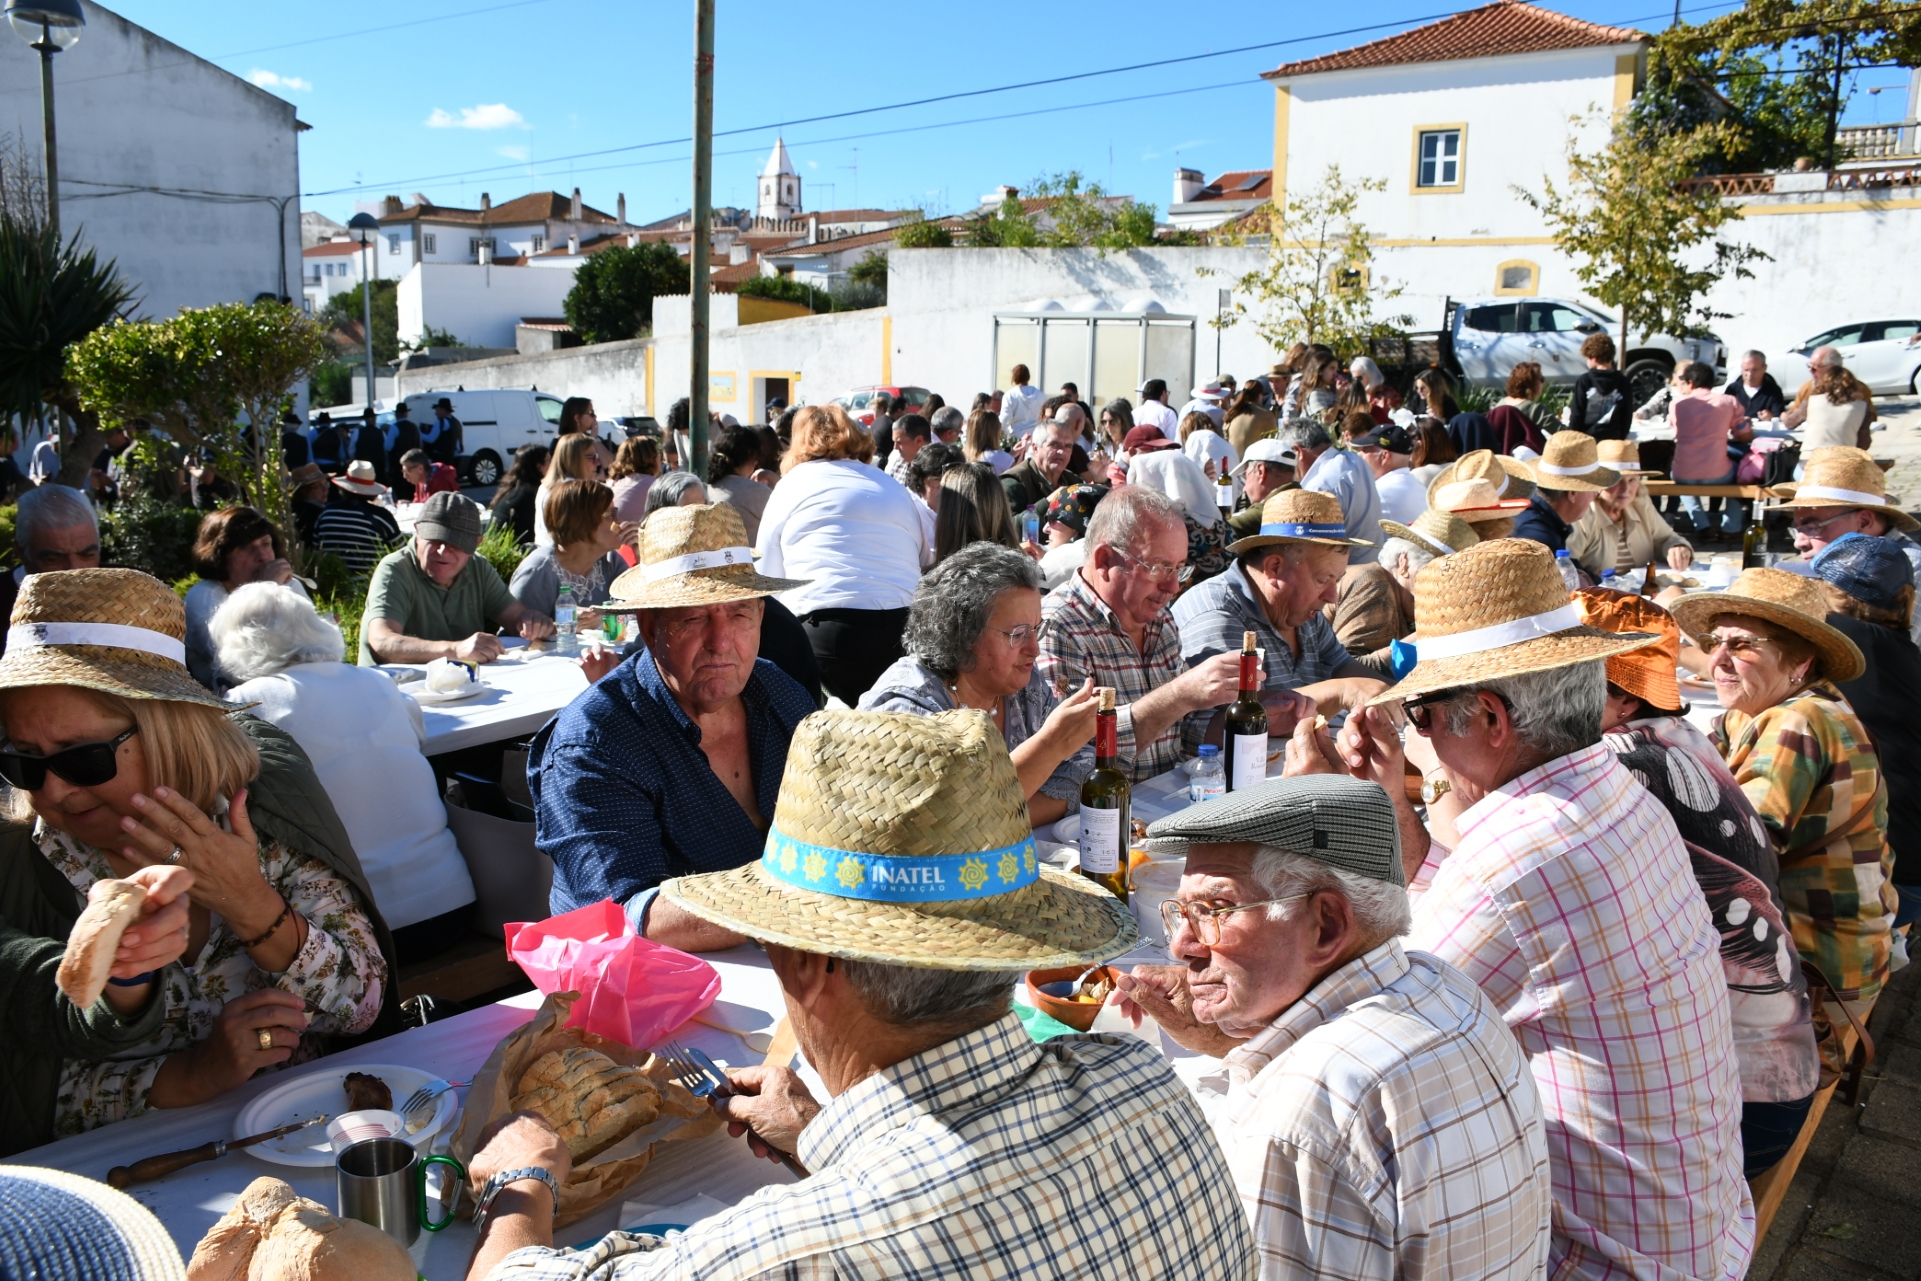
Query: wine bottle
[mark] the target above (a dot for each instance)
(1246, 734)
(1105, 806)
(1754, 544)
(1650, 585)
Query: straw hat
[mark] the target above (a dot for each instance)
(1442, 533)
(905, 840)
(1789, 601)
(693, 556)
(118, 631)
(1473, 500)
(1300, 516)
(1497, 609)
(1623, 456)
(55, 1224)
(1646, 673)
(1570, 461)
(1509, 477)
(360, 479)
(1842, 476)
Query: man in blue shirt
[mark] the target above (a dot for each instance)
(670, 764)
(1342, 473)
(1569, 474)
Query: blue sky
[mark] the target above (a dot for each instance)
(456, 97)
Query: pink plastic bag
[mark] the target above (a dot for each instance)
(631, 990)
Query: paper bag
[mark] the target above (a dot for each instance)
(599, 1178)
(631, 990)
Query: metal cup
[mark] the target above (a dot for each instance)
(383, 1182)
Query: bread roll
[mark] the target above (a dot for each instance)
(111, 907)
(591, 1101)
(271, 1234)
(226, 1252)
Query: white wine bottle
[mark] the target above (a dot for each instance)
(1246, 733)
(1106, 806)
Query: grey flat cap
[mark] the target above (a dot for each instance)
(1343, 822)
(451, 519)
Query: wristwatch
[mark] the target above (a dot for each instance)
(483, 1204)
(1434, 787)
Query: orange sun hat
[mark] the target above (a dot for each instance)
(1646, 673)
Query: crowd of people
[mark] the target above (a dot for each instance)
(1516, 969)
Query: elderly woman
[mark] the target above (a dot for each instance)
(675, 489)
(1064, 530)
(365, 739)
(1621, 530)
(1376, 604)
(1645, 725)
(1807, 764)
(235, 546)
(124, 762)
(973, 636)
(584, 554)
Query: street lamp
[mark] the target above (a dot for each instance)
(50, 26)
(364, 223)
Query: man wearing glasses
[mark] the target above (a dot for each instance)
(1378, 1117)
(1844, 491)
(1110, 621)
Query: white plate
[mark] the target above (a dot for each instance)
(1068, 830)
(320, 1093)
(425, 695)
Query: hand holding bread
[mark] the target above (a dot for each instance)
(130, 927)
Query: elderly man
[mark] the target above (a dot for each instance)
(1570, 475)
(54, 528)
(671, 763)
(426, 477)
(898, 920)
(1760, 397)
(1376, 605)
(1842, 491)
(1280, 582)
(947, 424)
(1110, 621)
(1039, 474)
(1339, 472)
(1388, 452)
(1568, 896)
(435, 599)
(1379, 1118)
(1266, 469)
(911, 433)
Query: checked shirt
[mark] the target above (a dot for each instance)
(1083, 639)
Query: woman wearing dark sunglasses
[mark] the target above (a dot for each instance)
(126, 762)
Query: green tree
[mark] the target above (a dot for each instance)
(1318, 283)
(923, 233)
(1083, 216)
(1646, 238)
(432, 336)
(1008, 227)
(332, 384)
(787, 289)
(870, 270)
(1780, 117)
(614, 291)
(342, 314)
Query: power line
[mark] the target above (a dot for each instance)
(370, 31)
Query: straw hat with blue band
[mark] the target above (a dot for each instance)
(1300, 516)
(904, 840)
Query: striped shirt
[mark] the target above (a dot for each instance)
(986, 1157)
(1083, 639)
(358, 533)
(1570, 900)
(1386, 1126)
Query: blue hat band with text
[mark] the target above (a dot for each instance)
(1297, 529)
(900, 878)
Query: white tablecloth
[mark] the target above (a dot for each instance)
(525, 690)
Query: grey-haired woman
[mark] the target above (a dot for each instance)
(973, 635)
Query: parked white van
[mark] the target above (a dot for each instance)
(493, 424)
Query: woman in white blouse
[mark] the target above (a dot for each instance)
(853, 532)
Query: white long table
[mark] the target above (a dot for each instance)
(524, 692)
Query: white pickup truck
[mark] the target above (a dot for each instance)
(1485, 338)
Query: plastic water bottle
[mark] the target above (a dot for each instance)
(1569, 573)
(1031, 527)
(564, 615)
(1206, 777)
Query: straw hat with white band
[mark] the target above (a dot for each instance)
(1299, 516)
(117, 631)
(1509, 477)
(1842, 476)
(1498, 609)
(1439, 532)
(1570, 462)
(1789, 601)
(905, 840)
(693, 556)
(1623, 457)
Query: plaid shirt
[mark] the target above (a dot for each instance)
(1571, 902)
(1386, 1126)
(989, 1156)
(1812, 773)
(1083, 639)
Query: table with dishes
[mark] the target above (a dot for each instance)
(509, 698)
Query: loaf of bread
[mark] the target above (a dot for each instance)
(111, 907)
(271, 1234)
(589, 1099)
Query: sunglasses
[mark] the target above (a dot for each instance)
(1420, 711)
(85, 765)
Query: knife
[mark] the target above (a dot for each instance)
(722, 1087)
(150, 1168)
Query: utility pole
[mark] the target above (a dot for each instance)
(703, 234)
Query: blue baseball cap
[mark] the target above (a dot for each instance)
(1872, 570)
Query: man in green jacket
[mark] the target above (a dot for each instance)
(1039, 475)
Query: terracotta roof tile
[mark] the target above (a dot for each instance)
(332, 249)
(538, 206)
(1491, 31)
(1235, 185)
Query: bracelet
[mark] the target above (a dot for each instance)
(483, 1204)
(137, 980)
(286, 910)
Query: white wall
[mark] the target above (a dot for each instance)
(478, 305)
(133, 110)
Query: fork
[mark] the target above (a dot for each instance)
(709, 1085)
(425, 1095)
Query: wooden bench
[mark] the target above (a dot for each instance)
(1667, 488)
(1770, 1188)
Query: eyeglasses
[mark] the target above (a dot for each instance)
(85, 765)
(1420, 711)
(1020, 635)
(1205, 919)
(1159, 571)
(1811, 525)
(1738, 646)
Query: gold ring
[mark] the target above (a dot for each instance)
(266, 1039)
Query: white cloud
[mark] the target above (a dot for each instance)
(494, 115)
(813, 164)
(269, 80)
(522, 154)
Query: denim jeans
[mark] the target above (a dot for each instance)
(1733, 518)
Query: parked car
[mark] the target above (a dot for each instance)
(860, 401)
(619, 429)
(1884, 354)
(493, 424)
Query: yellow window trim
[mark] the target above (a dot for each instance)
(1533, 286)
(1414, 169)
(1277, 187)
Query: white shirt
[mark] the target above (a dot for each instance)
(204, 600)
(1059, 563)
(999, 459)
(542, 538)
(1155, 413)
(1212, 408)
(1403, 497)
(850, 529)
(365, 738)
(927, 519)
(1021, 408)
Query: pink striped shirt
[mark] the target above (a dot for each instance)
(1570, 901)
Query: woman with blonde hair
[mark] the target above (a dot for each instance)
(576, 457)
(1834, 406)
(973, 509)
(981, 441)
(855, 536)
(636, 464)
(124, 761)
